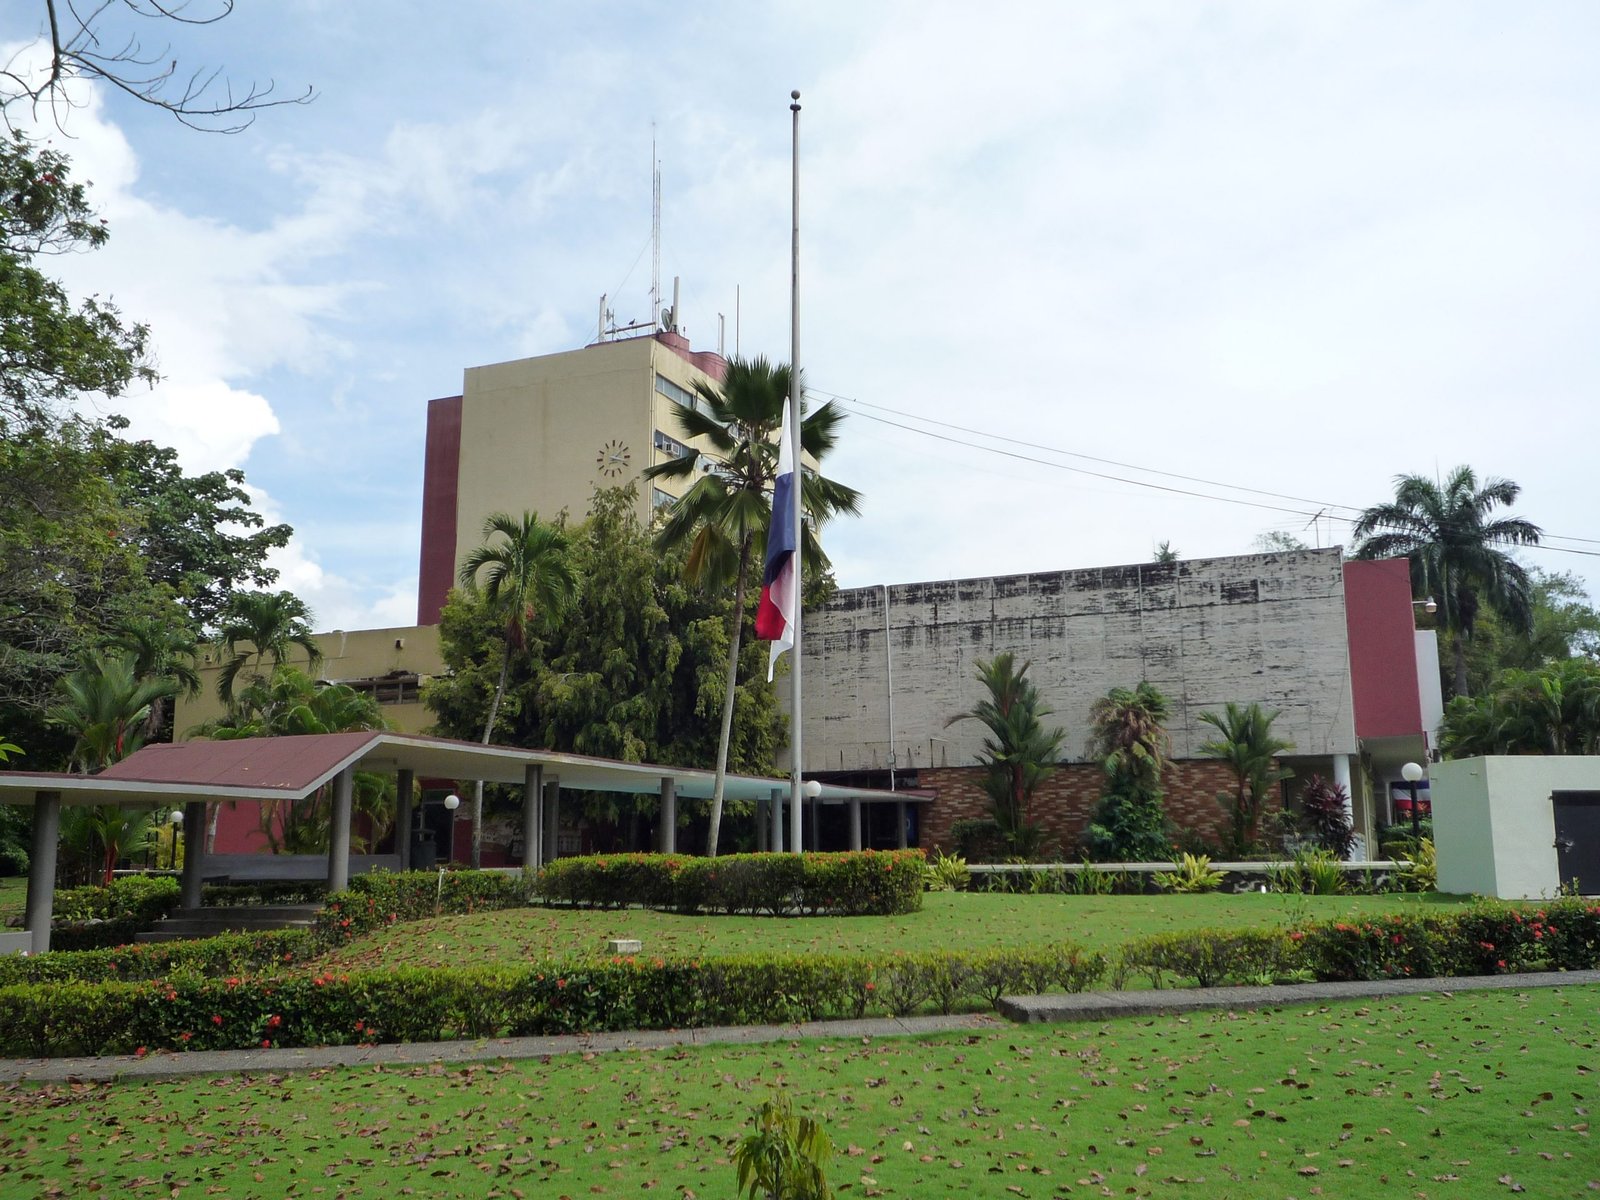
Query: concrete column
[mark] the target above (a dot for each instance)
(669, 815)
(532, 795)
(194, 851)
(777, 821)
(551, 847)
(42, 868)
(797, 812)
(1341, 777)
(406, 788)
(900, 823)
(763, 826)
(855, 824)
(339, 831)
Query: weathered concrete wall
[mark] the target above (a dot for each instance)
(1266, 628)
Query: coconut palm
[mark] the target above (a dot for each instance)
(1445, 530)
(1248, 747)
(527, 576)
(724, 516)
(106, 707)
(271, 624)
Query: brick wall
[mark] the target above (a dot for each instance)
(1065, 801)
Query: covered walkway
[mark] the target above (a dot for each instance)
(253, 770)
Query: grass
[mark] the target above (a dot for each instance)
(13, 896)
(947, 920)
(1436, 1096)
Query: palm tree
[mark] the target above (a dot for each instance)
(1248, 747)
(1130, 739)
(159, 649)
(271, 624)
(1018, 752)
(1446, 533)
(528, 574)
(106, 707)
(724, 516)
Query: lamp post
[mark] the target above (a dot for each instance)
(1411, 773)
(1429, 606)
(174, 819)
(811, 789)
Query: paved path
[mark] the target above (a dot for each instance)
(1085, 1006)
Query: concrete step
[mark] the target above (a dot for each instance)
(189, 923)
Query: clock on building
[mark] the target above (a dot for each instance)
(613, 458)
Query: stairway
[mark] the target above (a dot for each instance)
(190, 923)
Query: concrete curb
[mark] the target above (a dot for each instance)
(1084, 1006)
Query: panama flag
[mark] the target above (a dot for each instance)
(780, 583)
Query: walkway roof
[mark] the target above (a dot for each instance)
(294, 767)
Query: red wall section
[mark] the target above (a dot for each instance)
(441, 464)
(1383, 654)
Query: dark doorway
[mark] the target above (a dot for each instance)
(1578, 840)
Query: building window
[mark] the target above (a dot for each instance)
(673, 392)
(661, 499)
(670, 446)
(398, 688)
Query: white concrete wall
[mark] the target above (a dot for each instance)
(1430, 692)
(1494, 826)
(1265, 628)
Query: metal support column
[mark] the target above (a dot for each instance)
(42, 868)
(669, 815)
(406, 790)
(339, 830)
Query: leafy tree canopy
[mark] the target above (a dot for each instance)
(633, 671)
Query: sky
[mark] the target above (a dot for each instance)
(1294, 248)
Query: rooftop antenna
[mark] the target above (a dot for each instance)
(655, 231)
(1315, 526)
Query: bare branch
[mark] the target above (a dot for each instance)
(79, 36)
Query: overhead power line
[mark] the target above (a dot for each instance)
(1321, 510)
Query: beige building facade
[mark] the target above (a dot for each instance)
(540, 434)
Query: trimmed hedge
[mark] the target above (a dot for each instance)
(381, 898)
(430, 1004)
(1211, 957)
(226, 954)
(856, 883)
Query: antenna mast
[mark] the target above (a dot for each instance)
(655, 231)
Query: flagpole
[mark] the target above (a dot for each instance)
(796, 791)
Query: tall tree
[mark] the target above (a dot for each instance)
(1130, 739)
(159, 650)
(1447, 533)
(1250, 749)
(1565, 625)
(723, 518)
(1552, 710)
(527, 577)
(272, 625)
(1018, 753)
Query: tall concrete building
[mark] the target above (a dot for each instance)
(539, 434)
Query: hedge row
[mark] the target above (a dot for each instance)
(256, 953)
(419, 1004)
(384, 898)
(856, 883)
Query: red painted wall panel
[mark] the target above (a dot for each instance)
(440, 475)
(1383, 655)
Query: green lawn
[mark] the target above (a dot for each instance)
(1479, 1094)
(947, 920)
(13, 896)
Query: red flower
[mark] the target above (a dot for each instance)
(274, 1021)
(266, 1044)
(216, 1018)
(141, 1051)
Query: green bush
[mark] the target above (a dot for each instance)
(1195, 874)
(1211, 957)
(226, 954)
(1392, 947)
(381, 898)
(858, 883)
(131, 897)
(980, 839)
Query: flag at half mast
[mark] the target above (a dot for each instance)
(780, 582)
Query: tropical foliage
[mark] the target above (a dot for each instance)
(1565, 625)
(1130, 739)
(634, 670)
(257, 627)
(1552, 710)
(722, 519)
(1018, 752)
(1452, 540)
(1325, 815)
(785, 1157)
(1247, 745)
(527, 579)
(106, 707)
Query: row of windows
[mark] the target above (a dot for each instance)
(682, 395)
(670, 446)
